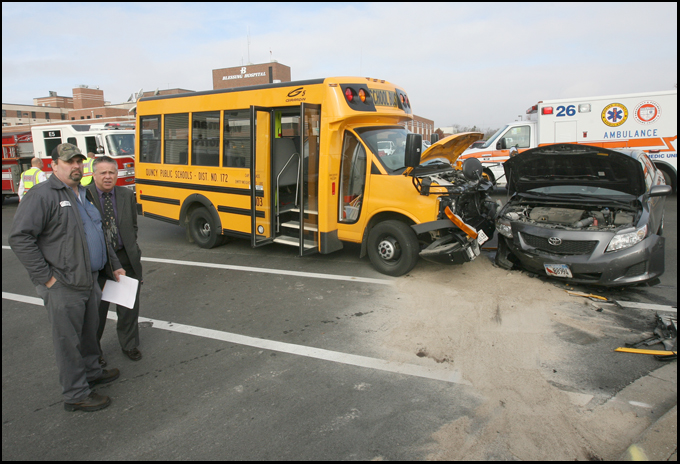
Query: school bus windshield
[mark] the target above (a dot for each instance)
(388, 144)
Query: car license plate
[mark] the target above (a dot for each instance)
(558, 270)
(481, 237)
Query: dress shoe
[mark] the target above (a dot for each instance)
(108, 375)
(93, 402)
(133, 354)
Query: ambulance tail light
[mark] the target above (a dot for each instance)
(547, 110)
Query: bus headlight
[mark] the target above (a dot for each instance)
(503, 227)
(621, 241)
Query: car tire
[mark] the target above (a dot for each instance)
(203, 229)
(393, 248)
(667, 178)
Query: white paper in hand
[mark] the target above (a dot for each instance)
(121, 293)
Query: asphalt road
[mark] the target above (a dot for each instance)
(198, 396)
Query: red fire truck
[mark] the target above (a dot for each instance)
(116, 140)
(17, 151)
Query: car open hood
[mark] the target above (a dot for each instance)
(450, 148)
(571, 164)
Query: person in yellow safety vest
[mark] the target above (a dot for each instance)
(31, 177)
(87, 169)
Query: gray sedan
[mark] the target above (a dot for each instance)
(583, 214)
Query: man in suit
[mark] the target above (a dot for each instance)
(118, 207)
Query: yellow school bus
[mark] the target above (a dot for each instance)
(311, 164)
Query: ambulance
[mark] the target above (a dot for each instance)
(646, 121)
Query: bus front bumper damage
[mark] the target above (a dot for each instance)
(453, 247)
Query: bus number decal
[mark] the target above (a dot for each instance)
(570, 111)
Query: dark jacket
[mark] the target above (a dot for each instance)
(48, 237)
(126, 221)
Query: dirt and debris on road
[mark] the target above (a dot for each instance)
(524, 344)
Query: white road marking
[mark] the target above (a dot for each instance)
(312, 275)
(451, 376)
(22, 298)
(286, 272)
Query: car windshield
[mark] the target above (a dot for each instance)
(493, 138)
(121, 144)
(387, 144)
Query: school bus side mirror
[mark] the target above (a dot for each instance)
(414, 145)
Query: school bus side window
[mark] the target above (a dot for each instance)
(205, 139)
(236, 136)
(352, 178)
(150, 139)
(176, 138)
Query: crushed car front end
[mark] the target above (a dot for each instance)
(583, 214)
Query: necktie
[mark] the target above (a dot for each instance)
(110, 221)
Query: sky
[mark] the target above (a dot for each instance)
(464, 63)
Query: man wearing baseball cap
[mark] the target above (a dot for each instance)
(57, 235)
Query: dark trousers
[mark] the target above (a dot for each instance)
(127, 327)
(74, 319)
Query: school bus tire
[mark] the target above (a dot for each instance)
(393, 248)
(203, 230)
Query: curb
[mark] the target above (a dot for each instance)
(658, 443)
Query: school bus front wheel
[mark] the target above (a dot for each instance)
(393, 248)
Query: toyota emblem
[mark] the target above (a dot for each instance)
(555, 241)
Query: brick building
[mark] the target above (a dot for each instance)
(85, 104)
(251, 74)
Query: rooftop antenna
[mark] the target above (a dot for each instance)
(249, 45)
(361, 58)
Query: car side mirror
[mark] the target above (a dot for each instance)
(414, 145)
(660, 190)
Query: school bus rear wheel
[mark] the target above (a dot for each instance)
(203, 230)
(392, 248)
